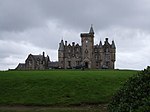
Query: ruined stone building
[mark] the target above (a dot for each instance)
(87, 54)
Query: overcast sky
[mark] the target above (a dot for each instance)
(34, 26)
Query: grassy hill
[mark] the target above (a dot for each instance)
(61, 88)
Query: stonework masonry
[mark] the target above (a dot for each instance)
(35, 62)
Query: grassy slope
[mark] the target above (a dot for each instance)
(59, 87)
(55, 110)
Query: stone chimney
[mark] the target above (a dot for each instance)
(73, 43)
(65, 43)
(43, 54)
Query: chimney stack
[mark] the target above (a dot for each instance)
(43, 54)
(65, 43)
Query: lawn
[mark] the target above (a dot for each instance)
(61, 88)
(52, 109)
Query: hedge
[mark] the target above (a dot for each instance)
(134, 96)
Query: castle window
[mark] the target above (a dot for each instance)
(69, 55)
(77, 63)
(77, 49)
(77, 56)
(107, 57)
(30, 62)
(69, 49)
(38, 61)
(96, 57)
(96, 51)
(69, 63)
(107, 50)
(96, 63)
(86, 51)
(86, 41)
(107, 64)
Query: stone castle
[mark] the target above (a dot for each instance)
(86, 55)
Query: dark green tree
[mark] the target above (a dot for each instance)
(134, 96)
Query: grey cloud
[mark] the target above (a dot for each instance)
(102, 13)
(23, 14)
(19, 15)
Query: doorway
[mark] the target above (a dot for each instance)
(86, 65)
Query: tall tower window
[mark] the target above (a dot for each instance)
(77, 55)
(86, 51)
(107, 57)
(86, 41)
(107, 64)
(30, 62)
(69, 63)
(96, 57)
(69, 55)
(77, 49)
(107, 50)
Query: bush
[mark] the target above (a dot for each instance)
(134, 96)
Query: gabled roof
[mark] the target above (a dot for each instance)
(39, 57)
(21, 66)
(36, 57)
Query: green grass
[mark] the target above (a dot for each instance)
(61, 88)
(54, 110)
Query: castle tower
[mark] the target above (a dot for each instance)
(113, 53)
(109, 51)
(61, 54)
(100, 54)
(87, 40)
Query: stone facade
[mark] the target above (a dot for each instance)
(34, 62)
(87, 54)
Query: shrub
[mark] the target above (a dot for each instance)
(134, 96)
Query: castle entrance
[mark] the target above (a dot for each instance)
(86, 65)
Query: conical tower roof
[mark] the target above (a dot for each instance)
(113, 44)
(91, 30)
(100, 44)
(61, 45)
